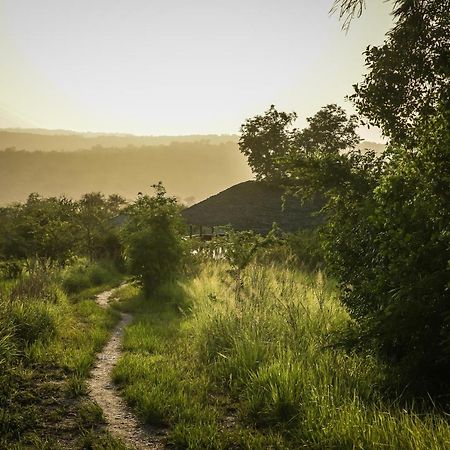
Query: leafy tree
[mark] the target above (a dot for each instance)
(58, 228)
(265, 140)
(408, 76)
(41, 227)
(392, 251)
(277, 152)
(99, 238)
(152, 238)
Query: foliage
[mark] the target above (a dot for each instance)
(387, 242)
(47, 346)
(307, 247)
(153, 239)
(82, 274)
(264, 140)
(387, 235)
(396, 264)
(272, 145)
(98, 237)
(408, 77)
(60, 228)
(240, 248)
(391, 249)
(40, 227)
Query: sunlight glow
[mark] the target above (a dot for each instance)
(173, 67)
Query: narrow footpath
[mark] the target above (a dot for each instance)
(121, 421)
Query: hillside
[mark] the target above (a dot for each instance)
(57, 162)
(252, 205)
(61, 140)
(36, 139)
(190, 171)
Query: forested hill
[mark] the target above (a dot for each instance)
(190, 171)
(62, 140)
(57, 162)
(33, 139)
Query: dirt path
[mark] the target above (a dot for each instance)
(121, 421)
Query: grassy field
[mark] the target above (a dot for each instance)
(48, 343)
(260, 371)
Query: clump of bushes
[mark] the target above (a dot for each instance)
(83, 274)
(152, 237)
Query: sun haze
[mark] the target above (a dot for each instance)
(174, 67)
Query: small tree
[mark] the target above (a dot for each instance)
(153, 239)
(240, 249)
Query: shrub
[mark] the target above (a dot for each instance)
(306, 246)
(153, 239)
(83, 274)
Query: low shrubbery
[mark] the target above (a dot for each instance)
(83, 274)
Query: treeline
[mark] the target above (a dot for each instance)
(60, 140)
(190, 171)
(59, 229)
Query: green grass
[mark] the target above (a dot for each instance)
(261, 372)
(48, 343)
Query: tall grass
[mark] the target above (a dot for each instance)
(262, 372)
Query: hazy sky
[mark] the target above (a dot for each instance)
(175, 66)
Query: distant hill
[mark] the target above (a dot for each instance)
(252, 205)
(33, 139)
(57, 162)
(62, 140)
(190, 171)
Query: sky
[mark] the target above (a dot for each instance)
(173, 67)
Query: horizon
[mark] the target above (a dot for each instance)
(94, 134)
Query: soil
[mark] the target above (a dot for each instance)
(121, 422)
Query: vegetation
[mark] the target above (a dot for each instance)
(124, 171)
(408, 78)
(48, 343)
(60, 228)
(55, 254)
(261, 372)
(387, 238)
(153, 239)
(337, 337)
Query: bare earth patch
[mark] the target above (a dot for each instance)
(121, 421)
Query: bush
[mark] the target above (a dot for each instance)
(306, 246)
(153, 239)
(391, 253)
(83, 274)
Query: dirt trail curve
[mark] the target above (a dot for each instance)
(121, 421)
